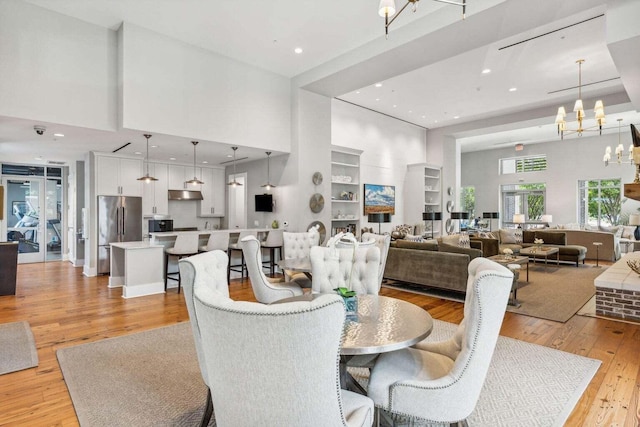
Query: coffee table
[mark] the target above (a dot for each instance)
(518, 260)
(534, 253)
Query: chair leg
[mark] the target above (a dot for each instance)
(166, 270)
(228, 267)
(179, 281)
(208, 410)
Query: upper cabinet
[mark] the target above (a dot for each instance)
(155, 198)
(179, 175)
(117, 176)
(213, 193)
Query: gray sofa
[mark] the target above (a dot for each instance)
(568, 253)
(432, 265)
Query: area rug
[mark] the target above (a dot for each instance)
(152, 378)
(555, 293)
(526, 385)
(17, 347)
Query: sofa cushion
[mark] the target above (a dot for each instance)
(473, 253)
(552, 237)
(407, 244)
(461, 240)
(528, 236)
(627, 231)
(507, 236)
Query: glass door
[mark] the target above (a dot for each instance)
(25, 219)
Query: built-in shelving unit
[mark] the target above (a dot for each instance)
(346, 192)
(423, 193)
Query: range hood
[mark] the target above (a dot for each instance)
(185, 195)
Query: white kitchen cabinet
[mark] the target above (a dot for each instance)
(155, 197)
(116, 176)
(179, 175)
(213, 193)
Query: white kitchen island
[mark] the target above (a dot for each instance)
(137, 267)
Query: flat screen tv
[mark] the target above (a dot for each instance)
(264, 203)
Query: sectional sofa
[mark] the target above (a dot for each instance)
(512, 239)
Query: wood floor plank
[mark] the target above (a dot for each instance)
(65, 308)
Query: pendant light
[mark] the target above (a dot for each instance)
(147, 178)
(234, 183)
(195, 180)
(268, 186)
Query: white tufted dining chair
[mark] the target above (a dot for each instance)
(352, 268)
(440, 382)
(298, 245)
(208, 270)
(265, 291)
(382, 241)
(269, 370)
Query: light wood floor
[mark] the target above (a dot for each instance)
(65, 308)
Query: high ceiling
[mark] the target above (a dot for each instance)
(537, 60)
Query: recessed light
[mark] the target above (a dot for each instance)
(394, 105)
(137, 152)
(424, 117)
(172, 158)
(377, 99)
(456, 117)
(204, 161)
(435, 121)
(229, 155)
(357, 92)
(59, 135)
(486, 71)
(378, 84)
(513, 89)
(37, 158)
(154, 146)
(410, 111)
(298, 50)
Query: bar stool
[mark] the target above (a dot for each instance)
(273, 241)
(235, 247)
(185, 246)
(217, 240)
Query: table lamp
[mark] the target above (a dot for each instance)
(379, 218)
(518, 219)
(546, 218)
(490, 216)
(433, 216)
(459, 216)
(634, 219)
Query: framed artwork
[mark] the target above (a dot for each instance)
(379, 199)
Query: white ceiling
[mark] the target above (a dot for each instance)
(264, 34)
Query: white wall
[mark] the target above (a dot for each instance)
(568, 161)
(388, 145)
(177, 89)
(54, 68)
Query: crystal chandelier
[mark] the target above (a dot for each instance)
(579, 110)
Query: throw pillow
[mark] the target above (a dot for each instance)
(464, 241)
(452, 239)
(413, 238)
(507, 236)
(627, 231)
(619, 232)
(517, 235)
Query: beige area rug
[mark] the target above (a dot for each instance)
(17, 347)
(152, 378)
(556, 293)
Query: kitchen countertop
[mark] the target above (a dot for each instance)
(134, 245)
(207, 232)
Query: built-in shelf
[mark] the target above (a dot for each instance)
(423, 193)
(345, 190)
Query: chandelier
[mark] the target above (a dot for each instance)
(579, 110)
(619, 151)
(387, 9)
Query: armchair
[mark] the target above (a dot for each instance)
(441, 382)
(298, 245)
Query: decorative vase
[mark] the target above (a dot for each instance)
(275, 224)
(351, 305)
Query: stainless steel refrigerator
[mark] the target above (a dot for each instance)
(119, 220)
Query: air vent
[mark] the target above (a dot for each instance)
(55, 162)
(231, 161)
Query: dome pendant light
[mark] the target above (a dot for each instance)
(268, 186)
(195, 180)
(234, 183)
(147, 178)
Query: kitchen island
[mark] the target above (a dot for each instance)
(137, 268)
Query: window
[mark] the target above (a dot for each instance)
(527, 199)
(600, 202)
(468, 204)
(523, 164)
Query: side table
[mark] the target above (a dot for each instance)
(597, 245)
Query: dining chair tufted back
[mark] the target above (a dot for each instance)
(382, 241)
(208, 269)
(440, 382)
(270, 370)
(297, 245)
(265, 291)
(352, 268)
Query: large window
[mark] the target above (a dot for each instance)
(523, 164)
(527, 199)
(468, 204)
(600, 202)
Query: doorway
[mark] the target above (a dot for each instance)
(237, 202)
